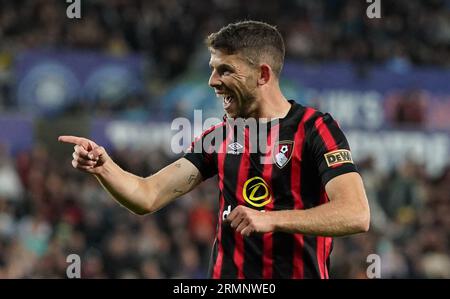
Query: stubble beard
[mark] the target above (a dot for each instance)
(245, 98)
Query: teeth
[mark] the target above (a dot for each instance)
(227, 99)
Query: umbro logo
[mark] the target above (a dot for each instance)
(235, 147)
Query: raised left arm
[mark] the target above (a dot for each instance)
(346, 213)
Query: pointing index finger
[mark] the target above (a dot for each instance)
(74, 140)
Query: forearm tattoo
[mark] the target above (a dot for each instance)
(191, 178)
(177, 191)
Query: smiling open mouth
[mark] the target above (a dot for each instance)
(227, 100)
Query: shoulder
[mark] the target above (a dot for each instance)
(214, 128)
(313, 118)
(210, 133)
(211, 130)
(310, 117)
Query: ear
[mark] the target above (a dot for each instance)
(266, 73)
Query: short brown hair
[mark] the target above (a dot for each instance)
(257, 41)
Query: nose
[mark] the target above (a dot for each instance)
(214, 80)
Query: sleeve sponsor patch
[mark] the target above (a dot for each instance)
(338, 157)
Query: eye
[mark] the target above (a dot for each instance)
(224, 71)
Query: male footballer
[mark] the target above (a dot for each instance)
(279, 209)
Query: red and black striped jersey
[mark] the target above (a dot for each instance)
(300, 154)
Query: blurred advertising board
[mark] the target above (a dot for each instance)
(50, 80)
(387, 147)
(377, 98)
(390, 148)
(16, 133)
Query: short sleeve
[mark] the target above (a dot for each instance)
(329, 148)
(203, 158)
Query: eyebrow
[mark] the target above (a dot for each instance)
(223, 66)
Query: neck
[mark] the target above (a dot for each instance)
(272, 104)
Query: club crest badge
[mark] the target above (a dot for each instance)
(282, 152)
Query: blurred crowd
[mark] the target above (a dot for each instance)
(410, 227)
(49, 210)
(169, 35)
(170, 32)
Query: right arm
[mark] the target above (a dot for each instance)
(139, 195)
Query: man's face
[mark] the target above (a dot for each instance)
(235, 82)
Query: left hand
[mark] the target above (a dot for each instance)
(246, 221)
